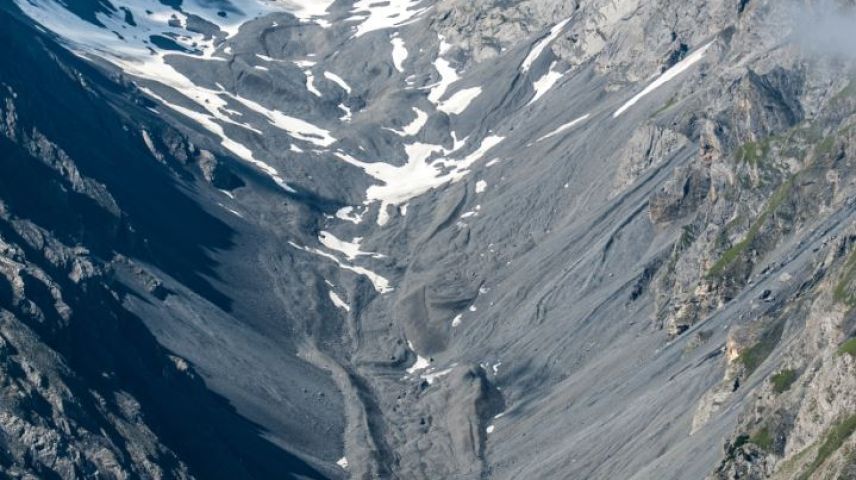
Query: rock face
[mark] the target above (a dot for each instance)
(499, 239)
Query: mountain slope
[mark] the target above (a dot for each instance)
(415, 239)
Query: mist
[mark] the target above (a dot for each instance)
(826, 27)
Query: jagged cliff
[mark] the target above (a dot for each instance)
(416, 239)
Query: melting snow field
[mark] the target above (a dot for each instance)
(295, 127)
(565, 127)
(458, 103)
(338, 302)
(375, 15)
(399, 53)
(421, 362)
(432, 376)
(338, 81)
(667, 76)
(418, 175)
(351, 249)
(413, 127)
(448, 76)
(127, 45)
(381, 285)
(539, 47)
(349, 214)
(545, 83)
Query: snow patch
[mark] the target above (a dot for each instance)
(399, 53)
(432, 376)
(374, 15)
(381, 284)
(413, 127)
(458, 103)
(351, 249)
(667, 76)
(545, 83)
(310, 84)
(349, 215)
(297, 128)
(481, 186)
(565, 127)
(421, 364)
(347, 115)
(338, 81)
(448, 76)
(338, 302)
(539, 47)
(418, 175)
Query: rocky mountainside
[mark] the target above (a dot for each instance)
(592, 239)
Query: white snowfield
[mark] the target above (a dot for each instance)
(565, 127)
(448, 76)
(295, 127)
(413, 127)
(418, 175)
(542, 44)
(399, 53)
(351, 249)
(338, 302)
(310, 84)
(349, 214)
(667, 76)
(132, 52)
(381, 284)
(459, 101)
(421, 362)
(431, 376)
(338, 81)
(545, 83)
(374, 15)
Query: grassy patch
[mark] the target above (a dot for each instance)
(846, 92)
(730, 255)
(783, 380)
(843, 293)
(754, 356)
(688, 236)
(848, 347)
(763, 439)
(826, 145)
(835, 437)
(753, 152)
(672, 101)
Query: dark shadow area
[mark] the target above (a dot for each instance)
(73, 106)
(159, 223)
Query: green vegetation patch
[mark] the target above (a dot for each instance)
(753, 152)
(754, 356)
(847, 92)
(843, 292)
(672, 101)
(848, 347)
(733, 253)
(826, 145)
(763, 439)
(835, 437)
(783, 380)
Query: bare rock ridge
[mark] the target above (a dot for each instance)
(419, 239)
